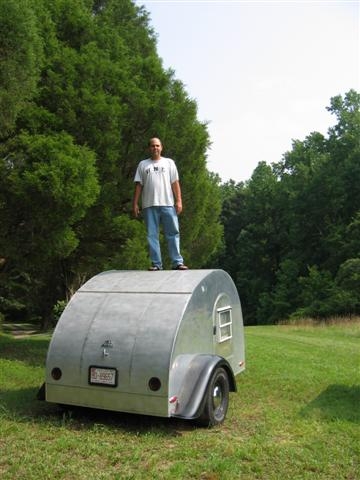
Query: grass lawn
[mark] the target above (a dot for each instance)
(296, 415)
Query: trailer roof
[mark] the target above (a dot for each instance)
(136, 281)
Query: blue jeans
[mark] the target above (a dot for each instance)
(167, 217)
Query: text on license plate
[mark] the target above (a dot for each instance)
(103, 376)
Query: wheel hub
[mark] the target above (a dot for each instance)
(217, 397)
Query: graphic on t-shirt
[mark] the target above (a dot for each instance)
(155, 169)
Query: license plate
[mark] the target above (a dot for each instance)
(103, 376)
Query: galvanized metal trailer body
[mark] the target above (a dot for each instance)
(165, 343)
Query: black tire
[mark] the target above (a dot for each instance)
(216, 400)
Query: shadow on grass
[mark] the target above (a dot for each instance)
(337, 402)
(21, 405)
(30, 350)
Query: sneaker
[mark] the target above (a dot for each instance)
(154, 268)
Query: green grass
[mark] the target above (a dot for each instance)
(296, 415)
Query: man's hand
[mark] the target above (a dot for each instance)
(178, 207)
(137, 194)
(136, 210)
(177, 194)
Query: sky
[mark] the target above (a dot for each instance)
(261, 72)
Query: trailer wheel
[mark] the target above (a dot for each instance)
(216, 400)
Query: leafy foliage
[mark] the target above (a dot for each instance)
(20, 58)
(81, 91)
(292, 242)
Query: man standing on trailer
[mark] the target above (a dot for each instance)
(157, 183)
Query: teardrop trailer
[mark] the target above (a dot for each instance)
(167, 344)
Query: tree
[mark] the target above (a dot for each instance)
(257, 250)
(295, 231)
(21, 57)
(99, 93)
(47, 183)
(346, 297)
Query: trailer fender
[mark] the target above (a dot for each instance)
(189, 379)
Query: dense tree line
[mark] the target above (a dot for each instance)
(82, 89)
(292, 232)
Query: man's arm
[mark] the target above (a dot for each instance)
(177, 194)
(137, 194)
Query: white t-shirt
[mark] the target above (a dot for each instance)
(156, 178)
